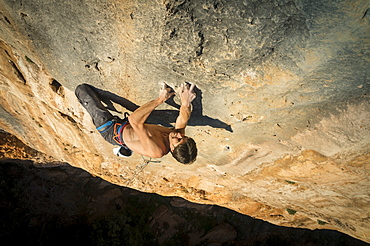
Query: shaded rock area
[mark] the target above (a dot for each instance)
(281, 118)
(56, 204)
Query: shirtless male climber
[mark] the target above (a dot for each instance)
(132, 134)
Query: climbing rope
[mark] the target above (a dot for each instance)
(140, 168)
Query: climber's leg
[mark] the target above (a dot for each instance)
(91, 102)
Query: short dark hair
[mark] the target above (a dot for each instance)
(186, 153)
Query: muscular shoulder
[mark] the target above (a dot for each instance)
(156, 128)
(150, 129)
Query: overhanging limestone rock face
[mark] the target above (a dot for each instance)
(216, 41)
(273, 79)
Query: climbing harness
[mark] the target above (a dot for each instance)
(118, 126)
(118, 129)
(117, 137)
(103, 128)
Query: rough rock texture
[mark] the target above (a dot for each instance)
(53, 203)
(281, 117)
(40, 205)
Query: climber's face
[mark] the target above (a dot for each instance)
(177, 137)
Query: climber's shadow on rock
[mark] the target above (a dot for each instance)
(165, 117)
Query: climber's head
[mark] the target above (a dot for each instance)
(183, 148)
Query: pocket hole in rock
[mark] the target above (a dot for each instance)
(57, 87)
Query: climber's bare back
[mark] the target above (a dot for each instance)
(157, 134)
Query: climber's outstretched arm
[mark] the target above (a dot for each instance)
(187, 96)
(151, 147)
(140, 115)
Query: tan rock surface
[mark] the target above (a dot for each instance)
(276, 134)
